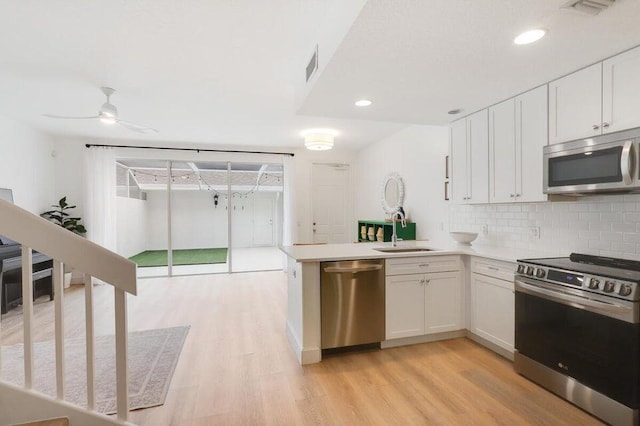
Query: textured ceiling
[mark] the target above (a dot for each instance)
(231, 72)
(220, 72)
(419, 59)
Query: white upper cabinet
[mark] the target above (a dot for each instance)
(459, 161)
(531, 138)
(517, 134)
(602, 98)
(502, 152)
(478, 125)
(621, 92)
(575, 105)
(470, 159)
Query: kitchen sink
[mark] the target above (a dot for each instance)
(402, 249)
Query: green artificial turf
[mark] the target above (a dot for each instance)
(181, 257)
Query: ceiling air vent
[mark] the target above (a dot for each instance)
(312, 66)
(591, 7)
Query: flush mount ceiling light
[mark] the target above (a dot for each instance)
(319, 139)
(363, 103)
(529, 36)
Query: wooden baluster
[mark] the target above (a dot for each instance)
(27, 314)
(58, 290)
(88, 309)
(122, 383)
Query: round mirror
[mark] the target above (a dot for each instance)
(392, 193)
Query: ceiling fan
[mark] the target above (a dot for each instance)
(108, 114)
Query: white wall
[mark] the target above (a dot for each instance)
(417, 154)
(26, 165)
(607, 225)
(197, 223)
(131, 226)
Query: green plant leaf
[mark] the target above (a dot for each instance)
(63, 202)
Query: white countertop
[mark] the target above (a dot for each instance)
(354, 251)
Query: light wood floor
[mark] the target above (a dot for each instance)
(236, 367)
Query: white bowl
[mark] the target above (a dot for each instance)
(464, 238)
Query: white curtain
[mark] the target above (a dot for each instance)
(290, 220)
(100, 196)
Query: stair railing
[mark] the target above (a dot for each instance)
(67, 248)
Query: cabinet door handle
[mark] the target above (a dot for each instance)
(595, 127)
(493, 268)
(605, 125)
(423, 265)
(517, 195)
(512, 195)
(427, 281)
(421, 281)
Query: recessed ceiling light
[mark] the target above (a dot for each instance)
(529, 36)
(455, 111)
(363, 102)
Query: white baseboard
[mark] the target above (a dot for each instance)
(305, 356)
(490, 345)
(423, 339)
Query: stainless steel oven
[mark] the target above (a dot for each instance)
(578, 332)
(607, 163)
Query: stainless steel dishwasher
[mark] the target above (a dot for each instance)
(352, 299)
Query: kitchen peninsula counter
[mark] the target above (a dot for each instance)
(303, 288)
(356, 251)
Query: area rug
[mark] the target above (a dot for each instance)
(201, 256)
(153, 355)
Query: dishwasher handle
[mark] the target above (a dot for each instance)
(352, 269)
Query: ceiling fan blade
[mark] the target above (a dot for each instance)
(64, 117)
(136, 127)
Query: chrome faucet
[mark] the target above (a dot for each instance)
(394, 235)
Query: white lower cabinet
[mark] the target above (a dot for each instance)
(493, 303)
(423, 303)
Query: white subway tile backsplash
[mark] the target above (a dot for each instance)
(606, 225)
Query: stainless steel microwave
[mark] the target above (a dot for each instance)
(607, 163)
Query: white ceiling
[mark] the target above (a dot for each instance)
(217, 72)
(228, 72)
(419, 59)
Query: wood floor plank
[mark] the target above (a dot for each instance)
(236, 367)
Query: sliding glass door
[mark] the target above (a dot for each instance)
(256, 216)
(200, 217)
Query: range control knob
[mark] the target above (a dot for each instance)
(608, 286)
(540, 273)
(530, 270)
(521, 269)
(625, 290)
(594, 283)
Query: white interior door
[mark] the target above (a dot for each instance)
(263, 221)
(330, 185)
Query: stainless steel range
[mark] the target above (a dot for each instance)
(578, 332)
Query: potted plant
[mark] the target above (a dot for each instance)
(61, 216)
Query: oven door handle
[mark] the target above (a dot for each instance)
(575, 301)
(626, 163)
